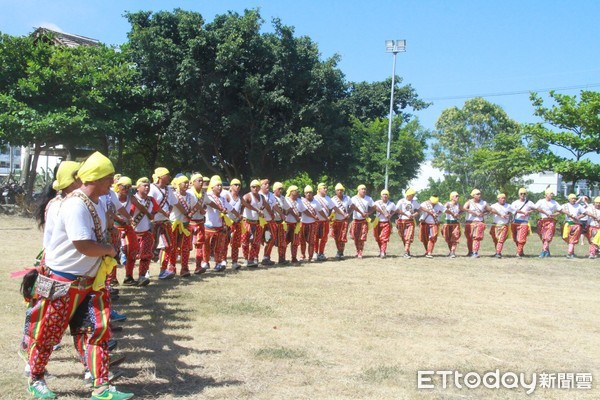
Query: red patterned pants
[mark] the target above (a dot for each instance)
(358, 233)
(406, 231)
(307, 239)
(474, 231)
(182, 245)
(236, 240)
(573, 237)
(382, 233)
(251, 240)
(47, 320)
(197, 229)
(545, 230)
(428, 234)
(277, 239)
(145, 244)
(321, 235)
(499, 234)
(591, 232)
(163, 241)
(520, 231)
(129, 244)
(451, 233)
(340, 234)
(216, 238)
(292, 238)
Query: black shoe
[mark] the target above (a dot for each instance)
(112, 344)
(129, 281)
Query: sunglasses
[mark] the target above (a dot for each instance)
(236, 184)
(254, 187)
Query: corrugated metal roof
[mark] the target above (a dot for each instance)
(65, 39)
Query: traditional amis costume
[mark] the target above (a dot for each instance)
(407, 210)
(270, 229)
(142, 213)
(499, 230)
(429, 224)
(451, 228)
(129, 242)
(593, 235)
(163, 234)
(572, 228)
(216, 232)
(180, 218)
(340, 222)
(310, 210)
(78, 259)
(254, 222)
(546, 225)
(384, 210)
(520, 227)
(476, 208)
(280, 209)
(197, 221)
(293, 221)
(322, 227)
(362, 206)
(235, 230)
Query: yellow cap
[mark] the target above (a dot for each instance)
(522, 190)
(255, 182)
(453, 194)
(321, 185)
(475, 192)
(205, 178)
(235, 181)
(97, 166)
(308, 188)
(214, 181)
(597, 199)
(195, 177)
(339, 186)
(549, 191)
(385, 191)
(434, 200)
(142, 180)
(572, 196)
(500, 195)
(361, 187)
(65, 175)
(124, 180)
(277, 185)
(410, 192)
(291, 189)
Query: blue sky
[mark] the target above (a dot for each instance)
(455, 49)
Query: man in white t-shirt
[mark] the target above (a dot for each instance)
(520, 226)
(142, 221)
(235, 230)
(384, 210)
(293, 221)
(476, 209)
(546, 225)
(593, 212)
(163, 234)
(78, 259)
(573, 211)
(429, 223)
(407, 210)
(502, 215)
(310, 210)
(362, 206)
(342, 217)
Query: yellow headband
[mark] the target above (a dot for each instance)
(522, 190)
(572, 196)
(291, 189)
(549, 191)
(410, 192)
(141, 181)
(434, 200)
(158, 172)
(308, 188)
(236, 182)
(255, 182)
(196, 177)
(339, 186)
(360, 187)
(321, 185)
(475, 191)
(453, 194)
(97, 166)
(385, 191)
(214, 181)
(65, 175)
(500, 195)
(597, 199)
(277, 185)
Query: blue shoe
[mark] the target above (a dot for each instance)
(542, 254)
(166, 274)
(115, 316)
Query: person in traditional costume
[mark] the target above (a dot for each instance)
(310, 210)
(407, 210)
(362, 206)
(270, 229)
(476, 209)
(180, 218)
(235, 230)
(546, 225)
(254, 222)
(142, 211)
(78, 260)
(382, 230)
(293, 221)
(429, 223)
(197, 221)
(339, 224)
(593, 233)
(451, 228)
(280, 209)
(573, 211)
(500, 228)
(520, 227)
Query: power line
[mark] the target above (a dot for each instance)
(497, 94)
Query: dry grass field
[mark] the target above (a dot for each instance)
(355, 329)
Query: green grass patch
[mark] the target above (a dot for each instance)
(381, 373)
(279, 353)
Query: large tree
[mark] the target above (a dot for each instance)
(578, 124)
(482, 146)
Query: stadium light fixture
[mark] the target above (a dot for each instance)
(394, 47)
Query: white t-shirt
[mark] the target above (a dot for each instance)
(476, 207)
(326, 204)
(547, 206)
(284, 205)
(454, 209)
(256, 203)
(51, 215)
(343, 204)
(407, 207)
(158, 195)
(524, 206)
(505, 209)
(294, 205)
(362, 204)
(213, 216)
(270, 199)
(572, 209)
(74, 222)
(176, 213)
(236, 204)
(304, 206)
(427, 218)
(389, 207)
(198, 216)
(144, 223)
(595, 212)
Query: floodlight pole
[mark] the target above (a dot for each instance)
(393, 47)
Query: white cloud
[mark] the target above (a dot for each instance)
(426, 171)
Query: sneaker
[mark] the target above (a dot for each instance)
(143, 281)
(382, 255)
(321, 257)
(266, 261)
(315, 257)
(115, 316)
(359, 255)
(166, 274)
(39, 390)
(252, 264)
(406, 255)
(542, 254)
(129, 281)
(185, 274)
(295, 261)
(470, 254)
(235, 266)
(338, 255)
(428, 255)
(498, 255)
(219, 268)
(111, 393)
(283, 262)
(452, 255)
(475, 255)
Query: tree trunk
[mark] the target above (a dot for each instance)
(32, 172)
(25, 166)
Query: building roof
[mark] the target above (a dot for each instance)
(64, 39)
